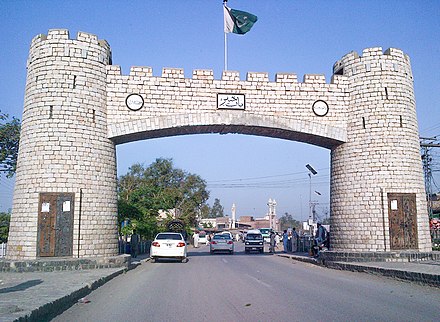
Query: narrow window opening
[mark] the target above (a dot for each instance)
(339, 71)
(51, 111)
(93, 116)
(74, 81)
(386, 93)
(401, 121)
(363, 122)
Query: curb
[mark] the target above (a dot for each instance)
(309, 260)
(421, 278)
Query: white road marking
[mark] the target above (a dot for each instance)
(259, 281)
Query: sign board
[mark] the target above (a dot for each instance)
(231, 101)
(134, 102)
(320, 108)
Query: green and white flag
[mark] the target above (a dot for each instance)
(238, 22)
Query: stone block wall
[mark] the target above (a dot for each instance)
(75, 112)
(177, 105)
(64, 146)
(381, 154)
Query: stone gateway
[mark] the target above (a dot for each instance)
(78, 107)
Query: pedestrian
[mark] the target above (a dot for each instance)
(321, 233)
(272, 242)
(277, 240)
(134, 244)
(285, 240)
(196, 239)
(294, 240)
(320, 238)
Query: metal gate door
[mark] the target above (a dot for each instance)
(402, 215)
(55, 224)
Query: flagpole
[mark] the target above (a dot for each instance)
(226, 39)
(226, 51)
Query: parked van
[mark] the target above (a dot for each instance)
(254, 241)
(266, 234)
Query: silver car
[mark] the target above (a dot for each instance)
(221, 243)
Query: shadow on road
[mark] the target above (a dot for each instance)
(21, 287)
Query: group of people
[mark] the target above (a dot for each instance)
(290, 241)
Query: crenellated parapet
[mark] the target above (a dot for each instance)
(374, 60)
(57, 43)
(144, 74)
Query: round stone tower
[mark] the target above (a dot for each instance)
(65, 192)
(378, 200)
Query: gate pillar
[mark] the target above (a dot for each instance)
(381, 156)
(64, 149)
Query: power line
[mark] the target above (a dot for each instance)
(264, 177)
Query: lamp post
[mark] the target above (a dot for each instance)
(311, 212)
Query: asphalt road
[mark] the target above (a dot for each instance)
(254, 287)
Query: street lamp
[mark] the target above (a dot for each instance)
(314, 172)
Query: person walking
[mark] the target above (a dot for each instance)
(294, 240)
(277, 240)
(285, 240)
(134, 244)
(272, 242)
(196, 239)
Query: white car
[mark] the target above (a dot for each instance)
(168, 245)
(227, 233)
(203, 240)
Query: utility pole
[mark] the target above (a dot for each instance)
(426, 145)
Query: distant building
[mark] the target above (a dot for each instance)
(243, 223)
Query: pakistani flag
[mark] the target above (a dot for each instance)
(238, 22)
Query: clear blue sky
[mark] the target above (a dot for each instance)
(304, 37)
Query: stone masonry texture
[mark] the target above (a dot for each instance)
(75, 113)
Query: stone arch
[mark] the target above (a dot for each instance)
(76, 111)
(325, 136)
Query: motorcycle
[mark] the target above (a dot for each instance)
(319, 246)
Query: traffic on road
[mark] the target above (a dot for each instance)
(252, 287)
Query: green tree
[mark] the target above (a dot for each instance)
(205, 210)
(143, 192)
(217, 209)
(4, 226)
(9, 140)
(287, 221)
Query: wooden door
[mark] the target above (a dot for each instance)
(46, 225)
(64, 226)
(55, 225)
(402, 217)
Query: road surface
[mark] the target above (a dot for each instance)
(253, 287)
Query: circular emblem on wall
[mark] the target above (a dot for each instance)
(134, 102)
(320, 108)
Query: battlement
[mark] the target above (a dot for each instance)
(140, 74)
(373, 59)
(63, 35)
(57, 43)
